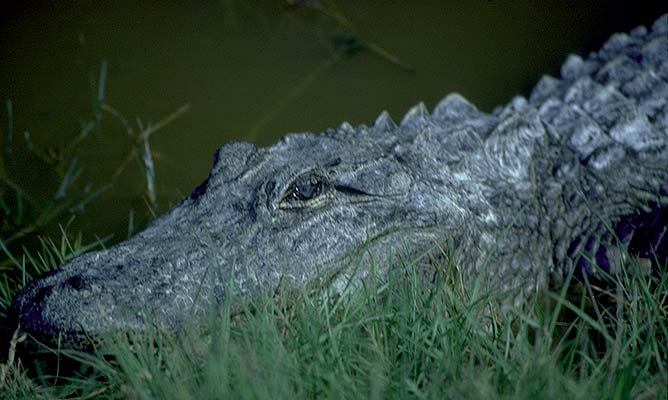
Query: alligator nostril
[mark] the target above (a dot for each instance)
(75, 282)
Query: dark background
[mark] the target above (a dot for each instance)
(256, 70)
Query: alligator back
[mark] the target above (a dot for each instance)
(569, 178)
(607, 154)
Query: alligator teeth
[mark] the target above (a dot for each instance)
(418, 111)
(384, 123)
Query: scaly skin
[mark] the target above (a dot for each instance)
(541, 186)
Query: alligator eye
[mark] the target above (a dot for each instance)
(304, 189)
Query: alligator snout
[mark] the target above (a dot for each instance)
(91, 294)
(31, 307)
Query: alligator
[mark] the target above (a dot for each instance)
(565, 181)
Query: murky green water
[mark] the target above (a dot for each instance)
(256, 70)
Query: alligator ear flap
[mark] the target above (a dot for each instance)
(384, 123)
(454, 109)
(418, 112)
(230, 160)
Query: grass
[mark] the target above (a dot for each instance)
(397, 338)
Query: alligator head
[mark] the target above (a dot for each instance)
(537, 186)
(291, 214)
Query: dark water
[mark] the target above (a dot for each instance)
(256, 70)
